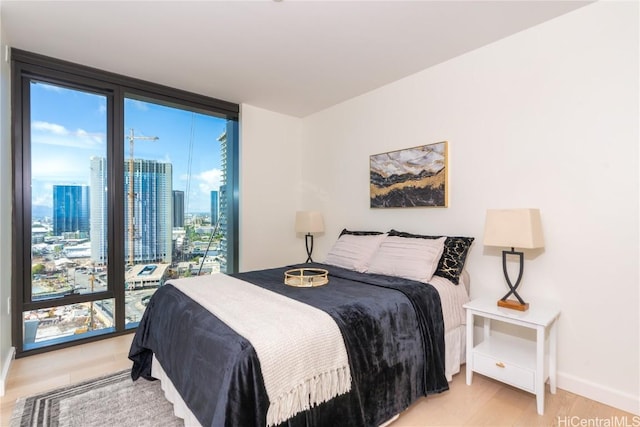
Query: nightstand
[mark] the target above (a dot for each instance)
(515, 361)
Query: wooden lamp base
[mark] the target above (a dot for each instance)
(513, 304)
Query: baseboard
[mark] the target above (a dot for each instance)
(599, 393)
(5, 369)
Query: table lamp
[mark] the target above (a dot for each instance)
(309, 222)
(513, 228)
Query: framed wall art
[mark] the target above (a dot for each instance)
(413, 177)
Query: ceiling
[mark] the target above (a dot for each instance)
(295, 57)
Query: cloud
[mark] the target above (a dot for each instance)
(55, 134)
(49, 127)
(50, 87)
(209, 180)
(60, 166)
(139, 105)
(44, 194)
(200, 188)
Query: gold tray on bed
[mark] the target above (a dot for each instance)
(306, 277)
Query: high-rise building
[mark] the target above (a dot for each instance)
(149, 228)
(98, 190)
(70, 209)
(178, 208)
(222, 197)
(214, 208)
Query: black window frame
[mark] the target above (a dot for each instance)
(27, 67)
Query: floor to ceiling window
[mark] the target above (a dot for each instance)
(173, 180)
(120, 185)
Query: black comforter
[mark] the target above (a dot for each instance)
(393, 331)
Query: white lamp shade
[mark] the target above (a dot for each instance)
(513, 228)
(309, 222)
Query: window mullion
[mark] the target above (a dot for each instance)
(116, 205)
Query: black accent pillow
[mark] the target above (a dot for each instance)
(360, 233)
(455, 253)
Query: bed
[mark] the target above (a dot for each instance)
(403, 338)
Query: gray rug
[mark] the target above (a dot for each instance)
(113, 400)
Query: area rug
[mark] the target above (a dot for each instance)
(112, 400)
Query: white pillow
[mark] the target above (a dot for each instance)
(354, 252)
(415, 259)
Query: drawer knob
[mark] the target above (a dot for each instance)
(500, 364)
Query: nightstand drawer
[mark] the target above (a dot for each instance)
(504, 371)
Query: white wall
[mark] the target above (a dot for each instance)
(270, 171)
(546, 118)
(6, 351)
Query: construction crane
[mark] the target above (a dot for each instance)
(132, 194)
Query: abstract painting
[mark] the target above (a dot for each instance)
(411, 177)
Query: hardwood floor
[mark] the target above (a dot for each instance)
(484, 403)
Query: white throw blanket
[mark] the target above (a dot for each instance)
(301, 350)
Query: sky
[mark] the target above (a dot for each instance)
(68, 127)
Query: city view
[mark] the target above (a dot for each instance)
(62, 265)
(174, 206)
